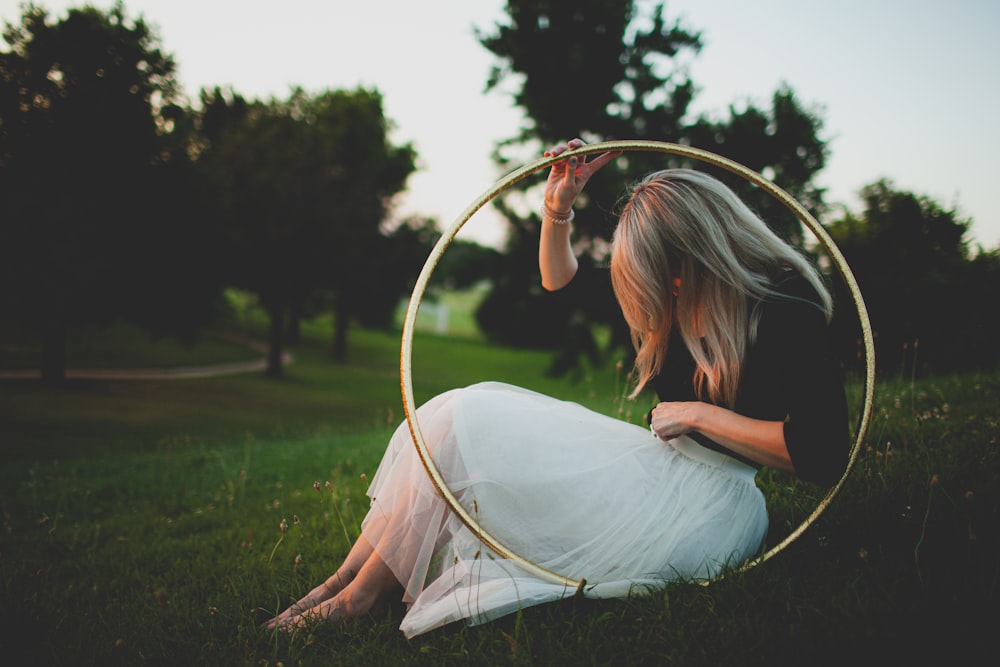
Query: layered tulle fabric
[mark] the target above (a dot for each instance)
(579, 493)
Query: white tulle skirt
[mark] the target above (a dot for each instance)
(576, 492)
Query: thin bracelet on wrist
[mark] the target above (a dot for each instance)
(548, 214)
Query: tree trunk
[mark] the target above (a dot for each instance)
(53, 358)
(293, 330)
(276, 340)
(341, 318)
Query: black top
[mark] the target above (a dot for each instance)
(789, 375)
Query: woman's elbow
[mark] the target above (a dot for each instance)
(550, 284)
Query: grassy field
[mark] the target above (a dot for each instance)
(142, 525)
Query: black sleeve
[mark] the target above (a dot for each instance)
(809, 383)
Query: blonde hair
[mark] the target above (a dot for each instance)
(684, 224)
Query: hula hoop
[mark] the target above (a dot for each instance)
(406, 351)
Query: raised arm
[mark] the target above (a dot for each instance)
(567, 178)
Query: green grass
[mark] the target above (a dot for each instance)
(141, 525)
(123, 346)
(450, 312)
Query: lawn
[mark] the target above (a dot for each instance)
(142, 525)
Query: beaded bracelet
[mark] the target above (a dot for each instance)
(547, 214)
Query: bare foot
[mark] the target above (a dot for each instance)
(356, 599)
(328, 610)
(325, 591)
(342, 596)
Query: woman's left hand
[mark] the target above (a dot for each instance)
(758, 440)
(670, 420)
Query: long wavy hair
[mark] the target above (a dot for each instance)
(686, 225)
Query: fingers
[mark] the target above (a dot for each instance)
(672, 419)
(556, 150)
(559, 149)
(569, 175)
(587, 168)
(603, 159)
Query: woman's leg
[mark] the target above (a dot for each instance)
(356, 559)
(371, 584)
(364, 577)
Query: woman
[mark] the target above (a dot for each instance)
(729, 325)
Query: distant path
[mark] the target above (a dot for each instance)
(175, 373)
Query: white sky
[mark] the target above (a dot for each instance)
(909, 88)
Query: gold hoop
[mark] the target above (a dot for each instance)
(406, 351)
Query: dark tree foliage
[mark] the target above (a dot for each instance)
(602, 70)
(303, 186)
(464, 265)
(95, 186)
(930, 304)
(398, 258)
(587, 67)
(782, 144)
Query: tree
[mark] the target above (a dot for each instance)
(304, 186)
(602, 70)
(782, 143)
(927, 299)
(396, 258)
(365, 271)
(92, 176)
(590, 66)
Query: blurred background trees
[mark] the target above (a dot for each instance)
(302, 187)
(601, 70)
(120, 200)
(95, 192)
(932, 303)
